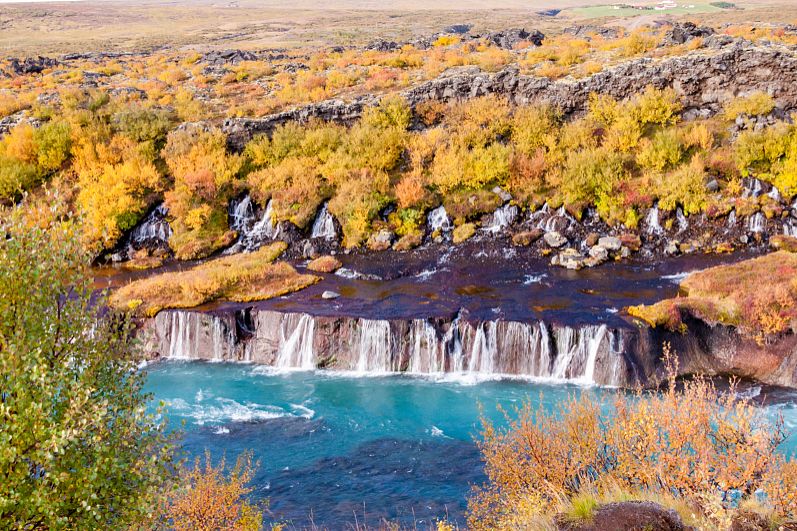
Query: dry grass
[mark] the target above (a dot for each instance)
(758, 296)
(324, 264)
(240, 278)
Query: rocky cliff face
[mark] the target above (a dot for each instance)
(623, 357)
(704, 79)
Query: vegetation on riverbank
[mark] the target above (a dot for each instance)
(240, 278)
(757, 296)
(711, 456)
(112, 160)
(78, 448)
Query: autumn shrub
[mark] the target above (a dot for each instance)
(294, 186)
(663, 151)
(15, 178)
(755, 104)
(688, 443)
(114, 195)
(143, 125)
(357, 202)
(205, 179)
(589, 176)
(211, 497)
(685, 187)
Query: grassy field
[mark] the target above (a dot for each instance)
(612, 11)
(60, 27)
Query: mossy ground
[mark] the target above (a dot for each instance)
(240, 278)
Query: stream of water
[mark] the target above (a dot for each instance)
(335, 448)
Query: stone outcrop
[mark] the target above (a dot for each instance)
(624, 356)
(704, 79)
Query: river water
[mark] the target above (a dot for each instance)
(336, 449)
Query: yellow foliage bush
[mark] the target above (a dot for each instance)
(755, 104)
(689, 442)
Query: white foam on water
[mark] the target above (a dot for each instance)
(677, 278)
(304, 411)
(221, 430)
(222, 410)
(533, 279)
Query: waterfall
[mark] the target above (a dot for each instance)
(550, 221)
(241, 214)
(252, 234)
(438, 220)
(756, 223)
(296, 346)
(583, 354)
(502, 218)
(153, 228)
(324, 225)
(375, 344)
(731, 223)
(680, 218)
(194, 335)
(790, 227)
(774, 194)
(485, 349)
(652, 225)
(426, 352)
(752, 188)
(577, 347)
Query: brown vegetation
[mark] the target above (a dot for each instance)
(240, 278)
(685, 448)
(735, 295)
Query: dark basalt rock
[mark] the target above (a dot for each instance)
(510, 38)
(31, 65)
(704, 82)
(382, 45)
(458, 29)
(628, 516)
(584, 31)
(228, 57)
(682, 33)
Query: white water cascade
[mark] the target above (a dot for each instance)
(438, 220)
(154, 227)
(550, 220)
(324, 225)
(374, 352)
(242, 214)
(652, 225)
(680, 218)
(790, 227)
(756, 223)
(296, 343)
(583, 354)
(752, 188)
(502, 218)
(194, 335)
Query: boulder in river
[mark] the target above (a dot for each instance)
(554, 239)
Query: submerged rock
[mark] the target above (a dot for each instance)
(330, 295)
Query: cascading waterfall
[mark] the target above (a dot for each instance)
(194, 335)
(153, 228)
(438, 220)
(790, 227)
(324, 225)
(502, 218)
(374, 352)
(680, 218)
(756, 223)
(652, 225)
(550, 221)
(752, 188)
(731, 223)
(774, 194)
(296, 343)
(584, 354)
(241, 214)
(426, 353)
